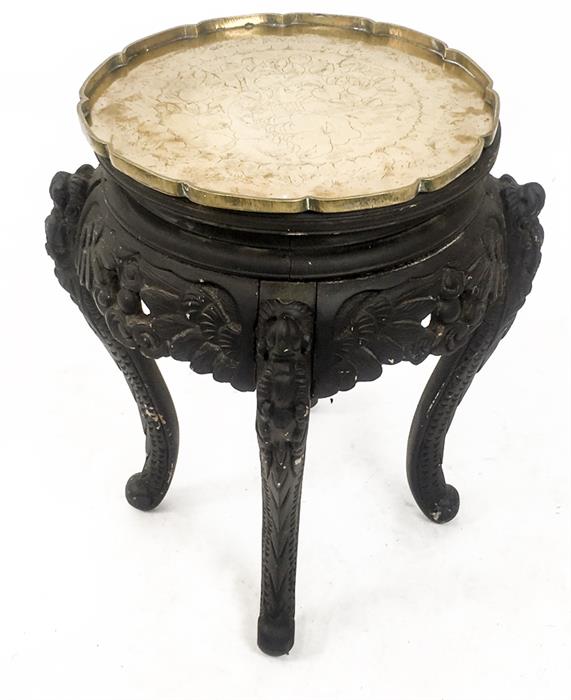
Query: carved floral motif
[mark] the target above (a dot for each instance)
(198, 324)
(435, 315)
(191, 321)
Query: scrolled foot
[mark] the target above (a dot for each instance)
(275, 636)
(139, 494)
(446, 507)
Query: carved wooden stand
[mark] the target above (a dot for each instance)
(325, 299)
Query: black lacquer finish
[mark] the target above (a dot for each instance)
(296, 307)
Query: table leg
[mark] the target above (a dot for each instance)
(146, 489)
(284, 365)
(453, 375)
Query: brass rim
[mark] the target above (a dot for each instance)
(212, 198)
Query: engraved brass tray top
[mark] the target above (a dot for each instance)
(283, 113)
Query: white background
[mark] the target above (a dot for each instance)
(100, 601)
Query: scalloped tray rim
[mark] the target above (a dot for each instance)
(226, 200)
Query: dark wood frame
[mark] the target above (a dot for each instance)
(296, 307)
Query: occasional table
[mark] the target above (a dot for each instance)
(290, 203)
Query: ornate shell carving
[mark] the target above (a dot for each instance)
(436, 316)
(198, 324)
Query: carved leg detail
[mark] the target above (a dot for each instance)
(449, 382)
(284, 346)
(453, 375)
(146, 489)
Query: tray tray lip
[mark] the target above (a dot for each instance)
(225, 200)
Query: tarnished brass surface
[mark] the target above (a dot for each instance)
(282, 113)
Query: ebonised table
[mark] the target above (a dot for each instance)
(289, 203)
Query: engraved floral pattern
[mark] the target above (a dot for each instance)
(309, 113)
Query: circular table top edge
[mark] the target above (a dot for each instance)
(217, 199)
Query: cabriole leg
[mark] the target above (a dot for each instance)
(146, 489)
(453, 375)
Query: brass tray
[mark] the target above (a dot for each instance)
(283, 113)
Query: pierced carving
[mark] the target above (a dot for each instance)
(198, 324)
(284, 345)
(465, 296)
(431, 315)
(191, 321)
(154, 312)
